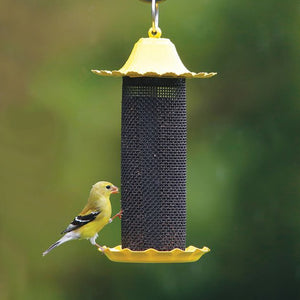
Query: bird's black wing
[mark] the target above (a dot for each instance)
(81, 220)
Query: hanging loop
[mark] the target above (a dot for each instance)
(154, 31)
(156, 34)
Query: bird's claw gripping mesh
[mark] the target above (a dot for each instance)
(153, 163)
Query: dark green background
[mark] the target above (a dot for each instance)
(60, 133)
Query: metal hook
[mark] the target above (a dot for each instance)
(154, 15)
(154, 30)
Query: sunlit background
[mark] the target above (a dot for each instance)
(60, 133)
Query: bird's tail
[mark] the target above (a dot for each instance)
(67, 237)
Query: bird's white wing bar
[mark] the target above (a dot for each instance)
(81, 220)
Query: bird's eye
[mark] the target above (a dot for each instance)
(108, 187)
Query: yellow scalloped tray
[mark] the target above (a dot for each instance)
(191, 254)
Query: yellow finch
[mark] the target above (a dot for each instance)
(95, 215)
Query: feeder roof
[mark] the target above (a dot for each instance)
(154, 57)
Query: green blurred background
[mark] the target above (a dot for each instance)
(60, 133)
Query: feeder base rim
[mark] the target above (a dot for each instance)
(191, 254)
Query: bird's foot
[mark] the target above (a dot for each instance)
(102, 249)
(119, 215)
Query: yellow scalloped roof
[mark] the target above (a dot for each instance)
(191, 254)
(154, 57)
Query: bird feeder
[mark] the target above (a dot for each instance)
(153, 152)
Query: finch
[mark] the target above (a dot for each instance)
(95, 215)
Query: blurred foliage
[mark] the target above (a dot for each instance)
(60, 133)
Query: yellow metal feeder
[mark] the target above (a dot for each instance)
(153, 153)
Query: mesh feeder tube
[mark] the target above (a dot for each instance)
(153, 155)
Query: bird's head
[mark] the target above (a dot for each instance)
(104, 188)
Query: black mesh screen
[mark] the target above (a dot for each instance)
(153, 163)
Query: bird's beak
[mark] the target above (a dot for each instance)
(114, 190)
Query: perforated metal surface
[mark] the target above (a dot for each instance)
(153, 163)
